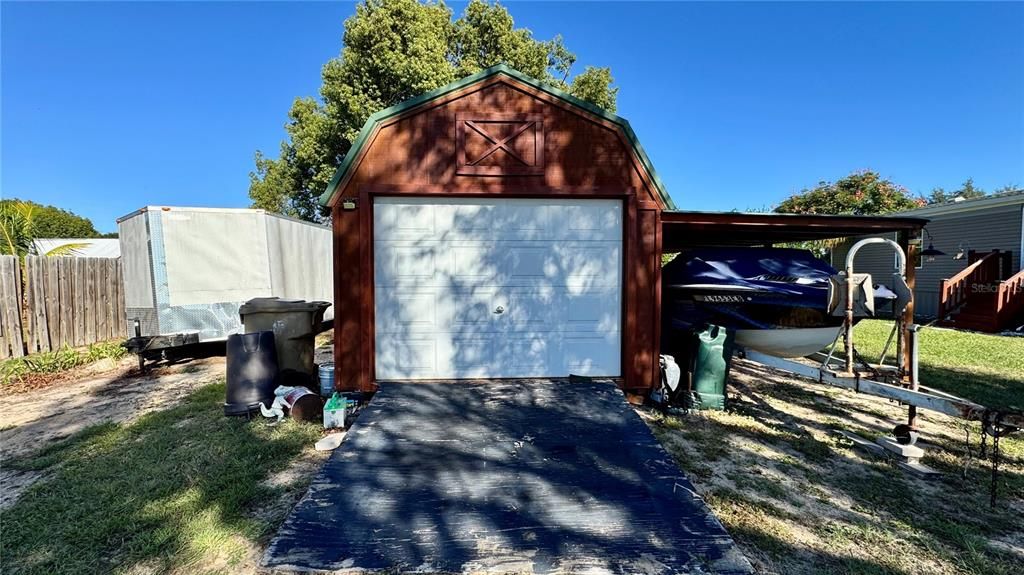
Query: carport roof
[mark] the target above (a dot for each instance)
(682, 229)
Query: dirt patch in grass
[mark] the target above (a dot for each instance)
(37, 419)
(800, 498)
(177, 490)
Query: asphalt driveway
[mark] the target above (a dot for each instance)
(511, 476)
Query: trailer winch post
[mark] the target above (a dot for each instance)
(910, 330)
(903, 318)
(848, 314)
(915, 383)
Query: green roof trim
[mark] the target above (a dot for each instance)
(398, 109)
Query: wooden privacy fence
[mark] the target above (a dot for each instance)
(64, 301)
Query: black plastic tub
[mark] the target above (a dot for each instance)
(251, 372)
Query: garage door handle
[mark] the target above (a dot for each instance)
(499, 309)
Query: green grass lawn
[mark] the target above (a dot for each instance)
(988, 369)
(177, 490)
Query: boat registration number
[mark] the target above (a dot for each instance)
(721, 298)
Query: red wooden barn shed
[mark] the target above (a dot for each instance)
(496, 228)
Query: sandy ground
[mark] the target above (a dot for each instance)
(32, 420)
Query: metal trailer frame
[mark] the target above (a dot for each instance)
(187, 270)
(899, 382)
(923, 397)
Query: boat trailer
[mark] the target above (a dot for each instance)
(899, 381)
(923, 397)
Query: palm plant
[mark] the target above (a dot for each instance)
(16, 229)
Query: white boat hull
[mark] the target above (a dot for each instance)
(795, 342)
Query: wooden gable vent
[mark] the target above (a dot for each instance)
(500, 144)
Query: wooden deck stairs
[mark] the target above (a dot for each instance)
(985, 296)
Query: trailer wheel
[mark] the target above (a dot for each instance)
(172, 355)
(905, 435)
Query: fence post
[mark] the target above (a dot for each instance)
(12, 343)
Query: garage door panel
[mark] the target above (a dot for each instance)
(404, 219)
(595, 221)
(529, 220)
(472, 263)
(529, 262)
(395, 262)
(565, 264)
(590, 355)
(533, 309)
(469, 356)
(524, 356)
(467, 309)
(592, 312)
(400, 311)
(589, 266)
(401, 357)
(495, 219)
(467, 220)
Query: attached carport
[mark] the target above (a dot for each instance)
(682, 230)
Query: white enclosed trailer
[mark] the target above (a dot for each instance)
(188, 270)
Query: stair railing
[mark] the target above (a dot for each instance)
(954, 292)
(1010, 297)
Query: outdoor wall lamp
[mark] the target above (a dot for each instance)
(961, 251)
(930, 253)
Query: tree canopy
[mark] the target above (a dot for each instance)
(967, 191)
(394, 50)
(22, 221)
(860, 193)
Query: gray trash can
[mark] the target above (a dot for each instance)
(295, 324)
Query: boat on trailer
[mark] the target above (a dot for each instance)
(778, 301)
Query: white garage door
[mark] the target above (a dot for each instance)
(468, 288)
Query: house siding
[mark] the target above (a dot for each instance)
(981, 230)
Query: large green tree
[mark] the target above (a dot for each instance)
(860, 193)
(395, 50)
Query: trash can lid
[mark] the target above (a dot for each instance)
(276, 304)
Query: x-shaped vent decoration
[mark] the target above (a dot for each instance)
(523, 146)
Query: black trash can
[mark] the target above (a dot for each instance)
(295, 324)
(251, 373)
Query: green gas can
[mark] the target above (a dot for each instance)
(712, 357)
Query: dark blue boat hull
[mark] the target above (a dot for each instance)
(775, 299)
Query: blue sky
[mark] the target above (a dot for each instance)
(108, 107)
